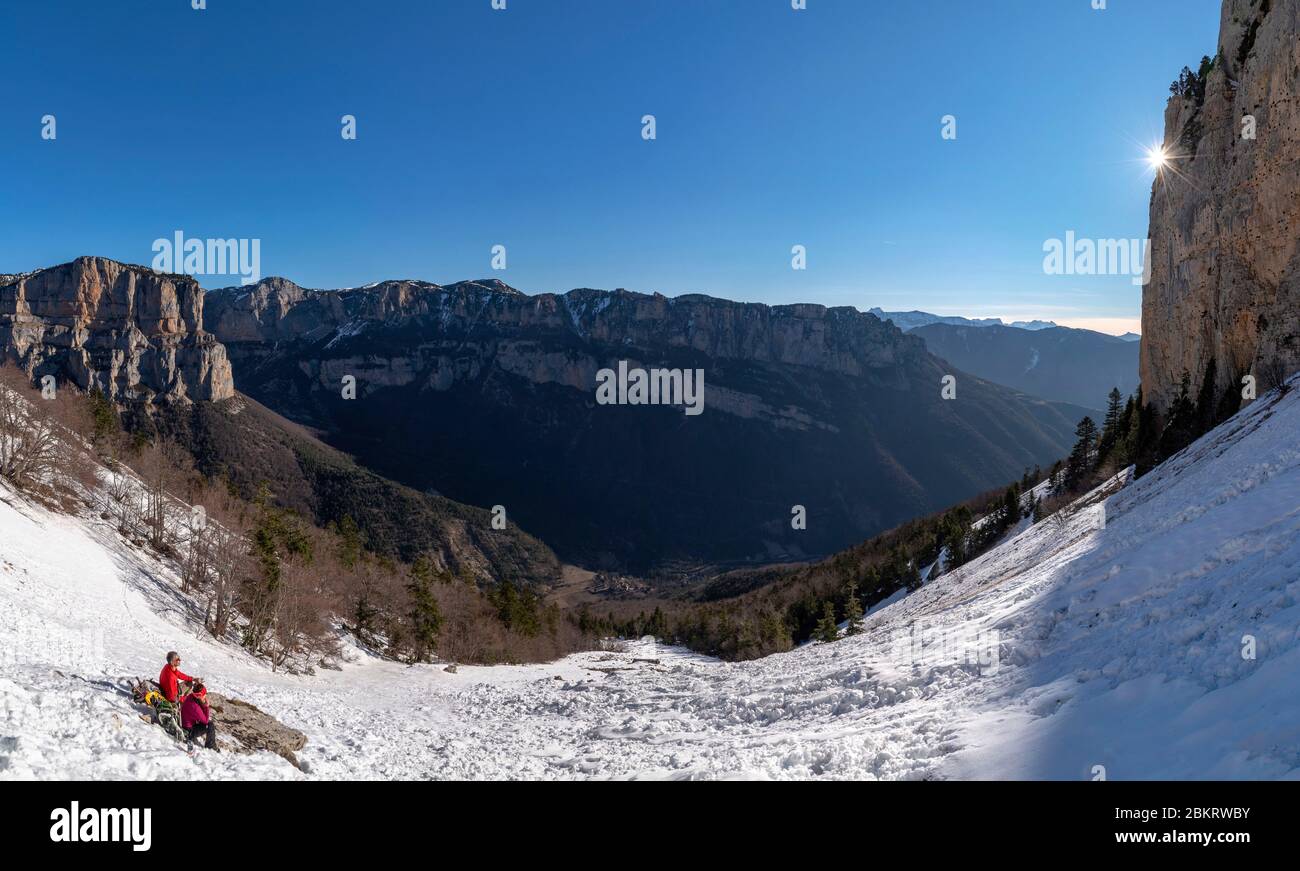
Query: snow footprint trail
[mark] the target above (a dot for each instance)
(694, 718)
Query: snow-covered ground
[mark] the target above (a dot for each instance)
(1151, 633)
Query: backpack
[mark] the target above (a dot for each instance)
(165, 714)
(169, 718)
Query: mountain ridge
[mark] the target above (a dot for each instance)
(444, 372)
(911, 320)
(1059, 363)
(482, 394)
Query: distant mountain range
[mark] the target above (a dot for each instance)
(1058, 363)
(908, 321)
(486, 395)
(478, 393)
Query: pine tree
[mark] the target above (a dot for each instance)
(1126, 448)
(853, 610)
(898, 565)
(103, 417)
(425, 616)
(827, 629)
(351, 543)
(1114, 408)
(260, 590)
(1056, 481)
(747, 644)
(364, 615)
(775, 634)
(1181, 430)
(658, 624)
(1011, 506)
(912, 575)
(1083, 457)
(1111, 424)
(955, 535)
(1207, 401)
(517, 609)
(870, 582)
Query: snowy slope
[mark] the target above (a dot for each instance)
(1110, 635)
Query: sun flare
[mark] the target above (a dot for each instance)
(1157, 158)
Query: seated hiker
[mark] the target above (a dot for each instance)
(168, 681)
(196, 718)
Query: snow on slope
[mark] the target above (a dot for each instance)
(1110, 635)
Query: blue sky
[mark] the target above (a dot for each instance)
(523, 128)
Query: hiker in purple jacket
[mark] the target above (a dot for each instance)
(196, 718)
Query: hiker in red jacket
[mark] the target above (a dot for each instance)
(168, 681)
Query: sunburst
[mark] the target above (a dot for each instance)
(1158, 158)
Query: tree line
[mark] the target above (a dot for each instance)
(266, 578)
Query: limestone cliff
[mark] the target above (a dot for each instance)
(135, 334)
(486, 395)
(493, 320)
(1225, 216)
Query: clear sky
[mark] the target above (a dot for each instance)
(523, 128)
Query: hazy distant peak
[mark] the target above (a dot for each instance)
(906, 321)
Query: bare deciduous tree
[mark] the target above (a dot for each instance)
(38, 447)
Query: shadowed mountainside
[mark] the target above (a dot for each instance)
(1058, 363)
(486, 395)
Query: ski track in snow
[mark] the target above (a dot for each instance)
(1118, 628)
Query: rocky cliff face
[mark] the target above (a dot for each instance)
(1225, 219)
(487, 395)
(250, 321)
(134, 334)
(397, 334)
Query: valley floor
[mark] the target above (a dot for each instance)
(1152, 633)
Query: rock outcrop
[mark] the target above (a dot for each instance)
(128, 331)
(250, 729)
(1225, 216)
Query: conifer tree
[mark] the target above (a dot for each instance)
(1111, 424)
(956, 528)
(103, 417)
(827, 629)
(912, 576)
(351, 542)
(1082, 458)
(1180, 431)
(1011, 506)
(425, 616)
(658, 625)
(517, 608)
(853, 611)
(870, 580)
(278, 537)
(1207, 401)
